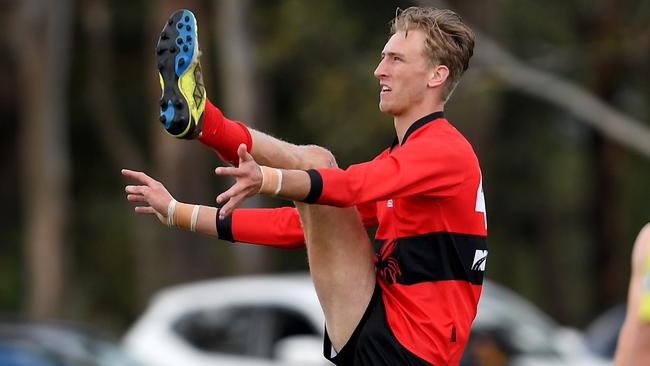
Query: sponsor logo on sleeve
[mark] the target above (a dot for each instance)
(480, 257)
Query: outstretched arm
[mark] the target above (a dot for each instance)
(279, 227)
(414, 169)
(158, 201)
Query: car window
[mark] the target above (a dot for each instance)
(242, 330)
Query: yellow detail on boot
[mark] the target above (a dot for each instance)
(644, 305)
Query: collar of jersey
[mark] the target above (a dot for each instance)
(417, 124)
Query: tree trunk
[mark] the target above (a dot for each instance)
(43, 47)
(608, 213)
(120, 146)
(110, 125)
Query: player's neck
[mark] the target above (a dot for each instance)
(404, 121)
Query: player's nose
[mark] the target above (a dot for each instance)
(380, 71)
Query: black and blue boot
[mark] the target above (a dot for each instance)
(183, 93)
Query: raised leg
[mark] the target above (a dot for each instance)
(186, 112)
(340, 258)
(224, 136)
(339, 251)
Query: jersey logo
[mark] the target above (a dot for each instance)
(387, 266)
(389, 203)
(480, 257)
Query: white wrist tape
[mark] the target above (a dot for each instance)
(170, 212)
(195, 216)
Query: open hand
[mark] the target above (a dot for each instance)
(151, 192)
(248, 180)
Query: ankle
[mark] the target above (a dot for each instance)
(213, 119)
(222, 134)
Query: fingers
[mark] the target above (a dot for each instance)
(243, 154)
(232, 198)
(139, 176)
(228, 171)
(145, 210)
(141, 190)
(226, 209)
(233, 191)
(136, 198)
(149, 193)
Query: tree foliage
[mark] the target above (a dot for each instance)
(564, 200)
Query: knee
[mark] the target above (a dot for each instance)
(317, 157)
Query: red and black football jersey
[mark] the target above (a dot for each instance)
(426, 196)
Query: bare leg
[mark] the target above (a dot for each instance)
(340, 258)
(270, 151)
(225, 136)
(341, 266)
(339, 251)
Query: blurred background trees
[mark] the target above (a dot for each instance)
(79, 98)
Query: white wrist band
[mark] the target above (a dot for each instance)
(279, 187)
(195, 216)
(170, 212)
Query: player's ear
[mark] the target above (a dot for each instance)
(438, 75)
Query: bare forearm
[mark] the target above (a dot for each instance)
(641, 354)
(205, 223)
(295, 186)
(196, 218)
(279, 227)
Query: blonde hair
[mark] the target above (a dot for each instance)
(448, 42)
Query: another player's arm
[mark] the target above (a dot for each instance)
(630, 335)
(641, 354)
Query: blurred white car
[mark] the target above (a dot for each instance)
(508, 326)
(252, 321)
(276, 320)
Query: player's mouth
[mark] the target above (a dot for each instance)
(385, 89)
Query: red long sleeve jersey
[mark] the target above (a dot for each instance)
(430, 246)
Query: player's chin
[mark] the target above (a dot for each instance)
(386, 107)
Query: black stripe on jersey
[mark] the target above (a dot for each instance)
(417, 124)
(435, 256)
(224, 227)
(316, 188)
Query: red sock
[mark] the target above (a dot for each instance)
(224, 135)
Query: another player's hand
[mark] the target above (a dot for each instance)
(248, 180)
(151, 192)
